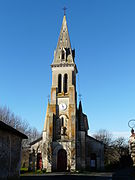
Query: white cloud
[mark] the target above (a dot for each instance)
(125, 134)
(116, 134)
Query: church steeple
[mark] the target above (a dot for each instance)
(64, 53)
(65, 143)
(64, 40)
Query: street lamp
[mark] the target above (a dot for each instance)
(131, 124)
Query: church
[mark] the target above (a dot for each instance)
(65, 144)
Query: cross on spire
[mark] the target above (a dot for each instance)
(64, 10)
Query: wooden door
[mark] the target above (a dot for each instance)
(61, 160)
(39, 161)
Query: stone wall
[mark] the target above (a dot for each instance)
(10, 155)
(33, 152)
(25, 158)
(90, 153)
(94, 154)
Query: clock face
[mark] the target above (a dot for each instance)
(63, 106)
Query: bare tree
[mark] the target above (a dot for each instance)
(121, 149)
(114, 149)
(104, 136)
(16, 122)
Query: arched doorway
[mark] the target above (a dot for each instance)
(39, 161)
(61, 160)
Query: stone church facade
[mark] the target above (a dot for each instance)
(65, 144)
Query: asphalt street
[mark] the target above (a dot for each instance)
(69, 177)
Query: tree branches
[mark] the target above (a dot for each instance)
(16, 122)
(114, 149)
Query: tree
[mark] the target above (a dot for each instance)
(121, 150)
(104, 136)
(120, 146)
(16, 122)
(114, 149)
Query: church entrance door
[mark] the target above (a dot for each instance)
(62, 160)
(39, 161)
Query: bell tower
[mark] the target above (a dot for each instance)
(59, 133)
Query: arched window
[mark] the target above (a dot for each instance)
(65, 83)
(59, 83)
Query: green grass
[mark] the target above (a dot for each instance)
(25, 171)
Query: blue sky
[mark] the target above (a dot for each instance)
(103, 35)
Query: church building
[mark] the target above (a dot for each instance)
(65, 144)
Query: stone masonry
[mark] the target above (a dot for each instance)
(10, 151)
(65, 144)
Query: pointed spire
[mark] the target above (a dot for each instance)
(63, 49)
(64, 40)
(80, 106)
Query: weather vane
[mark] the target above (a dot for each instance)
(64, 10)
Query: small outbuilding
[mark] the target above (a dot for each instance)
(10, 151)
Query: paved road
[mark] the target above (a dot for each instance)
(93, 176)
(122, 174)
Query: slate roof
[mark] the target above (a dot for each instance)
(5, 127)
(64, 44)
(64, 40)
(37, 140)
(90, 137)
